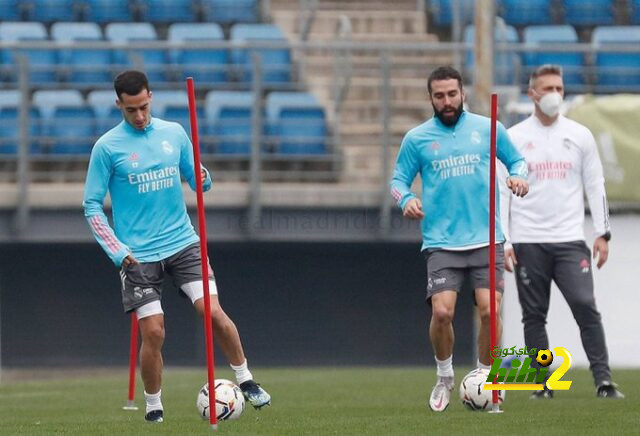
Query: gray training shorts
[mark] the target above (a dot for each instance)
(446, 269)
(142, 282)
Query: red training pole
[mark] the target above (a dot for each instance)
(204, 257)
(133, 352)
(492, 237)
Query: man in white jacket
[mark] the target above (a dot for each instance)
(544, 230)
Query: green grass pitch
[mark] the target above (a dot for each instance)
(312, 401)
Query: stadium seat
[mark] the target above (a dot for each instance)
(161, 99)
(10, 129)
(179, 113)
(42, 63)
(442, 11)
(617, 71)
(228, 115)
(107, 11)
(526, 12)
(48, 11)
(104, 107)
(9, 98)
(48, 100)
(506, 64)
(72, 130)
(153, 62)
(10, 10)
(91, 66)
(296, 121)
(232, 11)
(206, 66)
(571, 62)
(169, 11)
(635, 11)
(276, 62)
(588, 12)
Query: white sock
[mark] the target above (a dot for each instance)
(242, 372)
(445, 367)
(483, 366)
(153, 401)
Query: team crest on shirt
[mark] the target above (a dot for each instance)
(167, 147)
(475, 137)
(529, 146)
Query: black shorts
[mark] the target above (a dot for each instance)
(142, 282)
(446, 269)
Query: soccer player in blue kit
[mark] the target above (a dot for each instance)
(451, 153)
(140, 163)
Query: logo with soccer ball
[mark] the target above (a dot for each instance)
(473, 396)
(229, 400)
(544, 357)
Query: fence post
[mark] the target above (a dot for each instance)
(385, 105)
(255, 164)
(21, 219)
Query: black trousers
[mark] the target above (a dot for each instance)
(568, 264)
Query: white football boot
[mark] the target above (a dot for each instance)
(440, 394)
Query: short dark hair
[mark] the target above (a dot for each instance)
(444, 73)
(543, 70)
(130, 82)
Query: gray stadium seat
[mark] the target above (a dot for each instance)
(162, 99)
(228, 115)
(206, 66)
(153, 62)
(42, 63)
(616, 71)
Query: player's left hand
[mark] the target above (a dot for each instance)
(518, 186)
(203, 175)
(600, 251)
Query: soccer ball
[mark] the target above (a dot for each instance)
(229, 400)
(544, 357)
(472, 395)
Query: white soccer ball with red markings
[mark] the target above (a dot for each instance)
(229, 400)
(472, 394)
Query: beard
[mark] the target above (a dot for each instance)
(448, 120)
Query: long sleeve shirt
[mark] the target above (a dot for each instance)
(563, 165)
(453, 163)
(141, 170)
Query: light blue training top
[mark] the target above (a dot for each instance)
(141, 169)
(454, 165)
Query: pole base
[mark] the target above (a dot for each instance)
(496, 409)
(214, 427)
(131, 405)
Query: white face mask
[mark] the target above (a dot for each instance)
(550, 103)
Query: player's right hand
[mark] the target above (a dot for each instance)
(510, 260)
(413, 209)
(129, 260)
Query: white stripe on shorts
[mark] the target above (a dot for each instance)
(152, 308)
(194, 290)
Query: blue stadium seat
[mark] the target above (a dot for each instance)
(588, 12)
(48, 100)
(232, 11)
(9, 98)
(442, 11)
(297, 122)
(10, 129)
(635, 11)
(571, 62)
(276, 62)
(108, 11)
(152, 62)
(10, 10)
(72, 129)
(229, 121)
(42, 63)
(161, 99)
(179, 113)
(169, 11)
(506, 64)
(49, 11)
(526, 12)
(104, 107)
(206, 66)
(87, 65)
(617, 70)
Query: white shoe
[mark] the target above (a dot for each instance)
(440, 394)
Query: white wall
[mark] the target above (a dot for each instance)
(617, 289)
